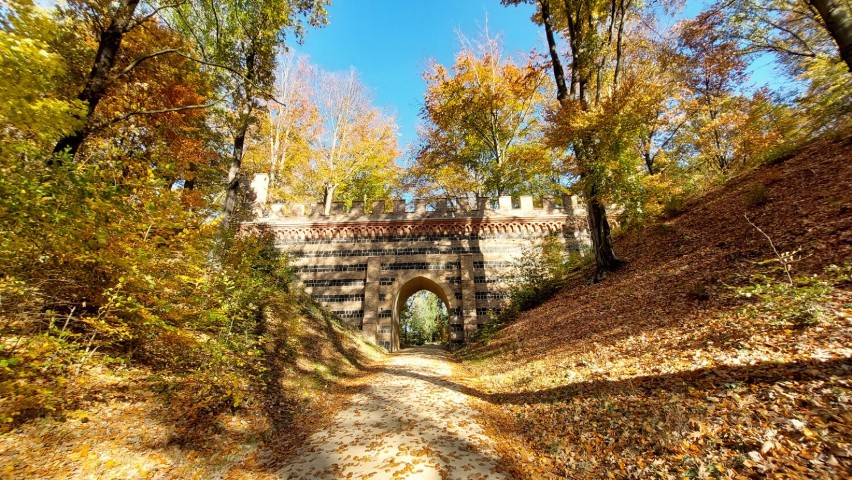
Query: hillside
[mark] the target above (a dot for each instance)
(140, 421)
(664, 371)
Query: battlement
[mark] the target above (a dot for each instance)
(419, 209)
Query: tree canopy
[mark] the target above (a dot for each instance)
(483, 127)
(324, 140)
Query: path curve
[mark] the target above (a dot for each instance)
(408, 424)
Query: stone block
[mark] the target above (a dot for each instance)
(526, 203)
(378, 208)
(441, 206)
(462, 204)
(570, 202)
(260, 188)
(297, 210)
(505, 203)
(399, 207)
(370, 331)
(357, 209)
(276, 210)
(419, 206)
(548, 204)
(337, 208)
(482, 203)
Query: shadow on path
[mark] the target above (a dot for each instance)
(706, 379)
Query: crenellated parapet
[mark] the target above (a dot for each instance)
(420, 209)
(422, 219)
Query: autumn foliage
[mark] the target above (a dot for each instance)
(483, 127)
(130, 293)
(695, 361)
(115, 269)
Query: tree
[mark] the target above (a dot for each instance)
(727, 127)
(327, 142)
(652, 98)
(811, 39)
(423, 316)
(293, 119)
(110, 24)
(482, 125)
(137, 120)
(240, 38)
(351, 149)
(796, 29)
(837, 18)
(33, 112)
(113, 22)
(587, 119)
(355, 136)
(657, 70)
(714, 73)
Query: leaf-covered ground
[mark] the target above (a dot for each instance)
(125, 424)
(664, 371)
(409, 423)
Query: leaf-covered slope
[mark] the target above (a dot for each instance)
(662, 370)
(141, 422)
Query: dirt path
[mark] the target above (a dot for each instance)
(411, 423)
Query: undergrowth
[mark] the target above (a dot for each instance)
(799, 303)
(536, 275)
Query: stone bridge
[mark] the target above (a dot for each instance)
(363, 266)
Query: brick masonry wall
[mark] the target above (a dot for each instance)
(364, 265)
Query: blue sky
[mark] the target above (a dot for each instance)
(389, 42)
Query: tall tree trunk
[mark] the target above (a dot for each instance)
(327, 197)
(232, 194)
(558, 71)
(244, 114)
(577, 20)
(98, 81)
(837, 15)
(605, 258)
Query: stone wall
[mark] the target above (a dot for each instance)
(364, 265)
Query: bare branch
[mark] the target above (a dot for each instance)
(143, 58)
(781, 259)
(154, 11)
(201, 61)
(134, 113)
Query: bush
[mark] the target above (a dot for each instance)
(757, 195)
(799, 304)
(92, 270)
(675, 206)
(539, 272)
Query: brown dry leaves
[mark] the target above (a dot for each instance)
(639, 377)
(124, 428)
(644, 408)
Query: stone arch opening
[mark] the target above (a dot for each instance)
(407, 288)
